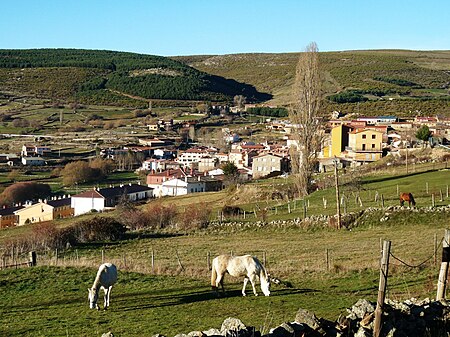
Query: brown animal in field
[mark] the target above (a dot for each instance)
(232, 211)
(407, 197)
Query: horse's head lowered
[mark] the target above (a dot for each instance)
(93, 297)
(265, 285)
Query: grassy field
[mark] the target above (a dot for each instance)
(51, 301)
(329, 269)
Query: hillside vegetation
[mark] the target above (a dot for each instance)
(90, 75)
(396, 82)
(387, 81)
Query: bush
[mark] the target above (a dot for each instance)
(195, 217)
(159, 216)
(135, 219)
(23, 191)
(98, 229)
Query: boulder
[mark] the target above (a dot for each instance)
(309, 318)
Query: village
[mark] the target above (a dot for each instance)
(171, 167)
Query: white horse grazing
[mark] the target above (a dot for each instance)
(246, 265)
(105, 279)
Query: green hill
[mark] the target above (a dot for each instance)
(100, 76)
(382, 81)
(396, 82)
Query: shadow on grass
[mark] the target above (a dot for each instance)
(147, 235)
(196, 296)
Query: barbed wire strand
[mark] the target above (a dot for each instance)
(420, 264)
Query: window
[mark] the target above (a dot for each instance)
(364, 147)
(363, 136)
(374, 136)
(373, 146)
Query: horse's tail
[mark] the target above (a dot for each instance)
(213, 274)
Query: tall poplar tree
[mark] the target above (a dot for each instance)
(304, 114)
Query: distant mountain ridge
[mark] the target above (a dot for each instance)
(89, 75)
(364, 80)
(368, 82)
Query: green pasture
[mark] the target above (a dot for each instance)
(51, 301)
(329, 269)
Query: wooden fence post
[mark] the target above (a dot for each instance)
(435, 248)
(103, 256)
(442, 282)
(32, 259)
(426, 186)
(338, 205)
(384, 268)
(179, 261)
(208, 260)
(153, 261)
(327, 258)
(433, 203)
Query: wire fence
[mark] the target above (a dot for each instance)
(173, 260)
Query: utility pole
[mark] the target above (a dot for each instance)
(338, 205)
(406, 156)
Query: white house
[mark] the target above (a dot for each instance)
(176, 186)
(33, 161)
(104, 198)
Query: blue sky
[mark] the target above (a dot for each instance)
(193, 27)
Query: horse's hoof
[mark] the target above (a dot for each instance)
(244, 294)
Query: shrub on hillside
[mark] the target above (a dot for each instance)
(347, 97)
(195, 217)
(98, 229)
(23, 191)
(159, 216)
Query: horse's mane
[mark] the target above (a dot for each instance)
(262, 269)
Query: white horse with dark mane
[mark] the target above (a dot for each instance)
(105, 279)
(237, 266)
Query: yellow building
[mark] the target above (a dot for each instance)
(34, 213)
(339, 140)
(365, 145)
(44, 211)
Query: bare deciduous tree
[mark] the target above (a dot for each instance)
(239, 101)
(304, 113)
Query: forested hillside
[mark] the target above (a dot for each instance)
(99, 76)
(384, 81)
(366, 82)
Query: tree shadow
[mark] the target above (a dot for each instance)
(232, 87)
